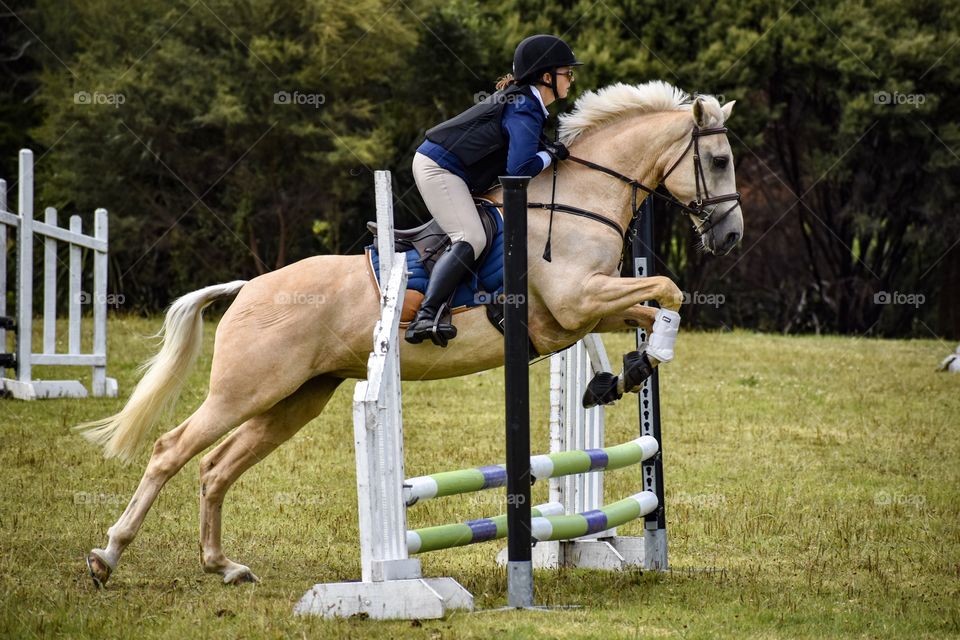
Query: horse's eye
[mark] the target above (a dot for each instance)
(720, 162)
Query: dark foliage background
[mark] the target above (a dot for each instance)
(846, 134)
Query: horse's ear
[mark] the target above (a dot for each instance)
(699, 113)
(727, 109)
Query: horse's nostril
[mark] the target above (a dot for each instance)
(731, 240)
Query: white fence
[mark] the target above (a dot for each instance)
(22, 225)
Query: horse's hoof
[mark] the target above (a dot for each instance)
(99, 569)
(636, 369)
(602, 389)
(240, 575)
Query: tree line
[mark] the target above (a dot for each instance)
(231, 138)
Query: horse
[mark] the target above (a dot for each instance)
(292, 336)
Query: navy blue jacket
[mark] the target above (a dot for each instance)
(517, 152)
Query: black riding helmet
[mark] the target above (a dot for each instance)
(539, 54)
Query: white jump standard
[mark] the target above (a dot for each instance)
(392, 585)
(23, 359)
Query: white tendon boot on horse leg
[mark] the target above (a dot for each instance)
(639, 365)
(605, 387)
(663, 337)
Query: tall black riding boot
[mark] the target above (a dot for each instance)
(447, 274)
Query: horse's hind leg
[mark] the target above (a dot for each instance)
(172, 450)
(245, 447)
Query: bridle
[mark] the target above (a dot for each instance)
(700, 180)
(697, 207)
(707, 219)
(703, 199)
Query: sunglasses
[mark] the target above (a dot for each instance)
(569, 74)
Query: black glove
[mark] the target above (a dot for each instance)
(557, 150)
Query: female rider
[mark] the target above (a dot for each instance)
(464, 155)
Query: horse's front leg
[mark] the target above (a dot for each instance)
(607, 293)
(639, 316)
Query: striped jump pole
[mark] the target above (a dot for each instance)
(547, 524)
(542, 467)
(447, 536)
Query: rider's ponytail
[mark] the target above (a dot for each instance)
(505, 82)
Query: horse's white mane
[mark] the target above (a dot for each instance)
(599, 107)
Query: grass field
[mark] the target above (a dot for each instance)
(813, 490)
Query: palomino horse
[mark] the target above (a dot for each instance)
(292, 336)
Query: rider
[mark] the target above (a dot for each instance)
(464, 155)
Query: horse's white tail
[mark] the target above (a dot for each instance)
(121, 435)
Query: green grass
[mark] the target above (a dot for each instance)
(812, 491)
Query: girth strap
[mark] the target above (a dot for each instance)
(495, 316)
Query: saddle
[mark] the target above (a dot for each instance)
(429, 240)
(424, 245)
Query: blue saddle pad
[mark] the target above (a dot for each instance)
(475, 289)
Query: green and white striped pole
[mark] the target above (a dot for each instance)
(542, 467)
(547, 524)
